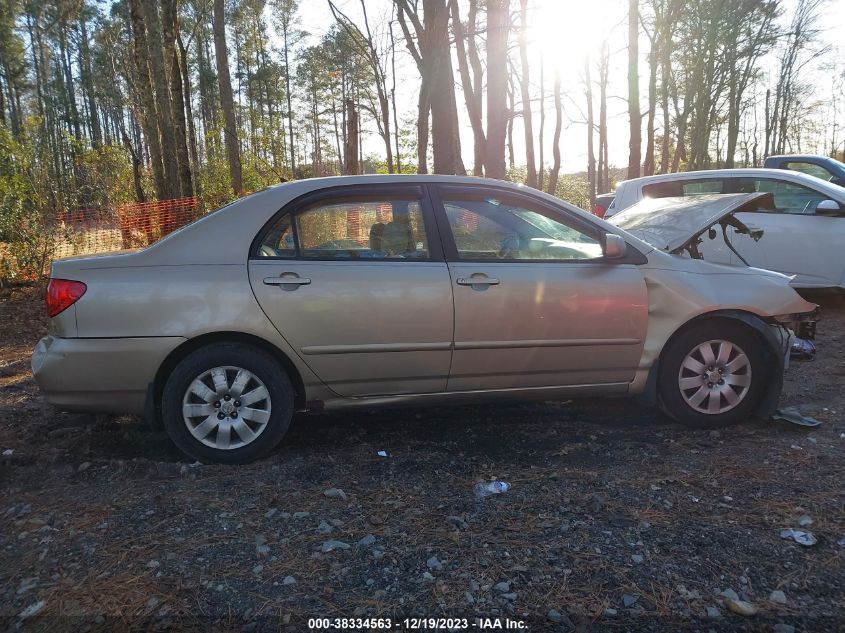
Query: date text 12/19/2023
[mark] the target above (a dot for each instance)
(416, 624)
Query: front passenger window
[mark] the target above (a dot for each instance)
(488, 228)
(789, 197)
(810, 169)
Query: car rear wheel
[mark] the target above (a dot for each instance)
(713, 374)
(229, 403)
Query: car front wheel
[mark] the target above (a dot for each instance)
(229, 403)
(713, 374)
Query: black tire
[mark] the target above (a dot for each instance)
(261, 365)
(672, 398)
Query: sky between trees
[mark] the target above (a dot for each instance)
(104, 102)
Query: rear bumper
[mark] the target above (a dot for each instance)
(99, 375)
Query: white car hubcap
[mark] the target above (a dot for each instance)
(226, 407)
(715, 377)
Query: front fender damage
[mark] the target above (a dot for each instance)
(678, 300)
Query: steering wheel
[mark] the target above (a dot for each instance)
(267, 251)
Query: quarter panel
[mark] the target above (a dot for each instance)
(184, 301)
(102, 374)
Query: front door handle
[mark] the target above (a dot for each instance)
(288, 281)
(477, 280)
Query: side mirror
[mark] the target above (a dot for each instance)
(614, 246)
(829, 208)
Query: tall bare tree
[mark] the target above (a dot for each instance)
(591, 157)
(144, 90)
(555, 170)
(430, 48)
(525, 93)
(158, 71)
(227, 101)
(634, 120)
(472, 76)
(364, 39)
(498, 28)
(170, 21)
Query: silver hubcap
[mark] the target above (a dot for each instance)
(715, 377)
(226, 407)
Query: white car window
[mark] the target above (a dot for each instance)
(703, 187)
(809, 168)
(789, 197)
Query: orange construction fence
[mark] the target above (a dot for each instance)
(134, 225)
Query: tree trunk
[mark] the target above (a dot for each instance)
(634, 120)
(285, 31)
(603, 172)
(665, 74)
(177, 94)
(437, 58)
(423, 109)
(149, 120)
(510, 118)
(591, 158)
(350, 149)
(648, 163)
(527, 125)
(498, 26)
(87, 81)
(540, 176)
(555, 171)
(136, 166)
(433, 57)
(189, 110)
(467, 54)
(226, 98)
(163, 99)
(393, 98)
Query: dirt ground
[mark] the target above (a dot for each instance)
(617, 519)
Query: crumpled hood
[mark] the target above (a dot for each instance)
(671, 224)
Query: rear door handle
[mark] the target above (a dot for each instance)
(288, 281)
(477, 281)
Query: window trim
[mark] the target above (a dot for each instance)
(727, 189)
(450, 249)
(343, 193)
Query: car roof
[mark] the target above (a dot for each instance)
(331, 181)
(234, 226)
(800, 157)
(751, 172)
(712, 173)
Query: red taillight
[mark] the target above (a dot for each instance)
(599, 210)
(63, 293)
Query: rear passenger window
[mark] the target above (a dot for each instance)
(703, 187)
(279, 240)
(663, 190)
(368, 229)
